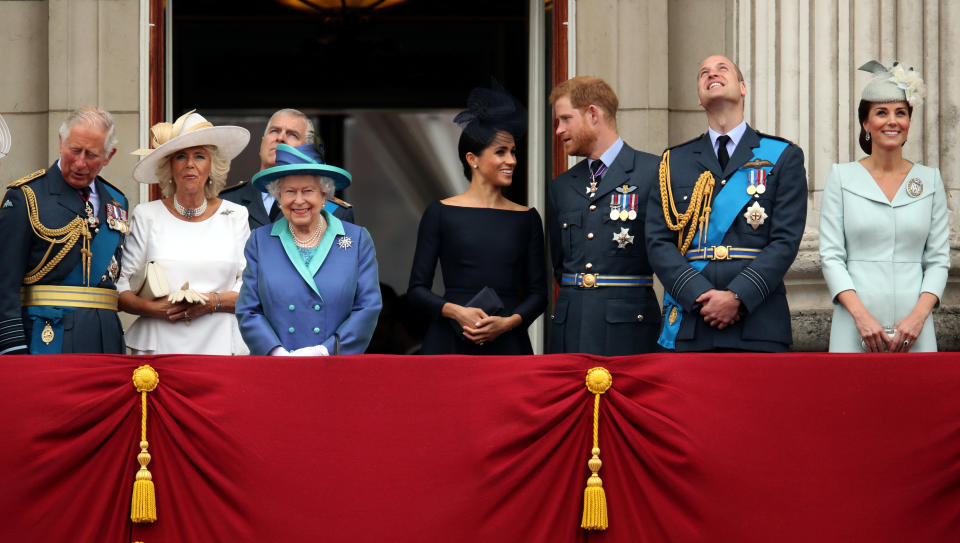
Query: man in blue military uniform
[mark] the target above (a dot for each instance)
(294, 128)
(725, 225)
(63, 234)
(595, 218)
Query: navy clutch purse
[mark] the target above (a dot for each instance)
(487, 300)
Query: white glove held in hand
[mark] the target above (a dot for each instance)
(314, 350)
(279, 351)
(187, 294)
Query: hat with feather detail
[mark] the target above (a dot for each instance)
(896, 84)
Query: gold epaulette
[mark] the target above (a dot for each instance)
(340, 202)
(27, 178)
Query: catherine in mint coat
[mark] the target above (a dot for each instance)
(888, 252)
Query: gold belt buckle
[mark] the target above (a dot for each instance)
(721, 252)
(589, 280)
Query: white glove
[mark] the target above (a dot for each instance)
(187, 294)
(279, 351)
(313, 350)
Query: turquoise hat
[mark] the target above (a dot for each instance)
(300, 160)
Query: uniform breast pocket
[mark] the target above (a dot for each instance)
(569, 226)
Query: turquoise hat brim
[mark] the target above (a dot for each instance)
(341, 178)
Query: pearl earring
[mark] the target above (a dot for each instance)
(475, 166)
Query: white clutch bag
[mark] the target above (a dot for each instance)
(151, 282)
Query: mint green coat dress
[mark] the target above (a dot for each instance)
(889, 252)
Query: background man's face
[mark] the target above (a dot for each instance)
(283, 128)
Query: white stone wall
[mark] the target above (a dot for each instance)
(58, 55)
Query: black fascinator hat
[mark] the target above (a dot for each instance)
(488, 112)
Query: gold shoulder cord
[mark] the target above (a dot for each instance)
(70, 233)
(697, 213)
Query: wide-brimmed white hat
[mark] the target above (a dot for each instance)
(5, 139)
(190, 130)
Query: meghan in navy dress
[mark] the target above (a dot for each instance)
(481, 239)
(477, 247)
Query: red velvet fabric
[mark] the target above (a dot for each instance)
(714, 448)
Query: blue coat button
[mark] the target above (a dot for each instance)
(292, 330)
(316, 330)
(292, 307)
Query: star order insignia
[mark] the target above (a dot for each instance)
(623, 238)
(755, 215)
(344, 242)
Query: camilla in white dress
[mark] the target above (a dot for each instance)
(193, 236)
(208, 255)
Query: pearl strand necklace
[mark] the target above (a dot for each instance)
(314, 238)
(189, 212)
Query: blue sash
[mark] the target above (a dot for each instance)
(725, 209)
(103, 247)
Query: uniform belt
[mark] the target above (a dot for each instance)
(723, 252)
(63, 296)
(594, 280)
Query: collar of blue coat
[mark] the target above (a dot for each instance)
(282, 230)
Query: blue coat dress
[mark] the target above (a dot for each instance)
(285, 302)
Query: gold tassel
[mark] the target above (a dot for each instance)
(599, 381)
(143, 507)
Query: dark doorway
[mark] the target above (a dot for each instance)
(375, 72)
(259, 56)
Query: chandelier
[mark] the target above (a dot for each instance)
(338, 5)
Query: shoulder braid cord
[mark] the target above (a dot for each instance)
(697, 215)
(70, 233)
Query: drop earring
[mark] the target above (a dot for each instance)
(867, 137)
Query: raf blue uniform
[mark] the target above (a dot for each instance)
(757, 258)
(285, 302)
(606, 304)
(44, 319)
(250, 197)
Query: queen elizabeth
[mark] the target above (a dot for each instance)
(310, 287)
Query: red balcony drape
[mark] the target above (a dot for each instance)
(714, 448)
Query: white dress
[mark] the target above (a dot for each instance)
(208, 254)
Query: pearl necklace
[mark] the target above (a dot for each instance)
(189, 212)
(314, 238)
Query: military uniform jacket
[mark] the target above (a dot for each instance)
(765, 326)
(604, 321)
(85, 330)
(250, 197)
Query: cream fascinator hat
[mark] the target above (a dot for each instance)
(5, 138)
(898, 84)
(190, 130)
